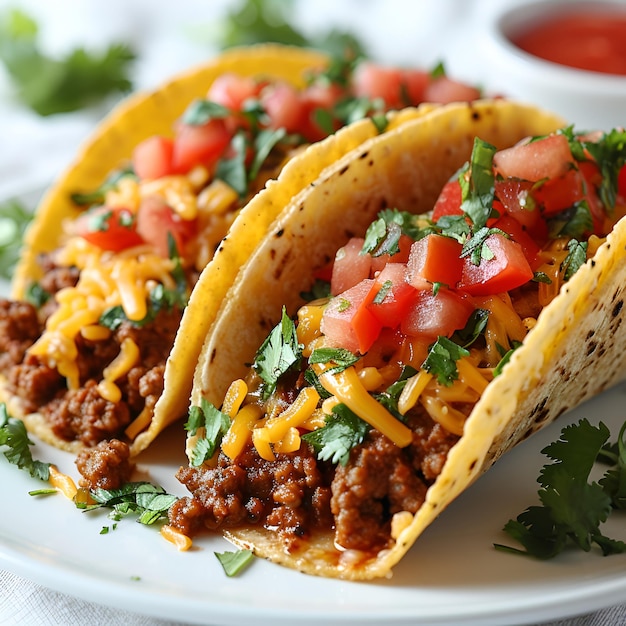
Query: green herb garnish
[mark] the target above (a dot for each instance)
(50, 86)
(279, 353)
(342, 431)
(572, 508)
(14, 436)
(235, 562)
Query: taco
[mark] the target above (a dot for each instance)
(120, 239)
(475, 289)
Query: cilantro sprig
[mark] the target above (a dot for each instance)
(149, 502)
(14, 436)
(279, 353)
(215, 425)
(48, 85)
(573, 508)
(342, 431)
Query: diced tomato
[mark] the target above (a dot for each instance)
(517, 233)
(109, 228)
(347, 321)
(402, 256)
(443, 90)
(515, 199)
(398, 295)
(316, 97)
(152, 158)
(557, 194)
(435, 258)
(371, 80)
(507, 269)
(415, 83)
(199, 145)
(449, 200)
(350, 266)
(231, 90)
(549, 157)
(437, 314)
(155, 219)
(284, 107)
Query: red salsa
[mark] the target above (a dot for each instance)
(586, 39)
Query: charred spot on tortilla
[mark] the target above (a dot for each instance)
(343, 170)
(617, 308)
(279, 233)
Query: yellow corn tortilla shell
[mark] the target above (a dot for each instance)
(573, 353)
(142, 116)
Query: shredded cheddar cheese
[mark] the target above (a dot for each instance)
(106, 280)
(348, 389)
(180, 540)
(123, 362)
(63, 483)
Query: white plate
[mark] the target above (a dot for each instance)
(452, 575)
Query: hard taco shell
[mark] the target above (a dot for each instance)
(141, 116)
(574, 352)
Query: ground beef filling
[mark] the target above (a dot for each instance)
(106, 466)
(82, 414)
(297, 494)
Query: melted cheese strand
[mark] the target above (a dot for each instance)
(348, 389)
(238, 434)
(294, 415)
(412, 390)
(121, 364)
(451, 419)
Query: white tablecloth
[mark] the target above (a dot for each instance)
(170, 36)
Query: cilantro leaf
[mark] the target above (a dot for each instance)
(149, 502)
(575, 259)
(383, 234)
(216, 425)
(342, 431)
(14, 219)
(278, 354)
(442, 358)
(474, 328)
(234, 562)
(50, 86)
(13, 434)
(342, 358)
(389, 398)
(233, 170)
(614, 480)
(572, 507)
(202, 111)
(478, 188)
(97, 196)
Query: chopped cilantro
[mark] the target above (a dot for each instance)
(442, 358)
(478, 187)
(278, 354)
(149, 502)
(342, 431)
(575, 259)
(476, 247)
(320, 289)
(14, 219)
(216, 425)
(506, 357)
(233, 170)
(573, 222)
(474, 328)
(264, 142)
(201, 111)
(389, 398)
(342, 358)
(572, 508)
(235, 562)
(383, 234)
(380, 296)
(97, 196)
(14, 436)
